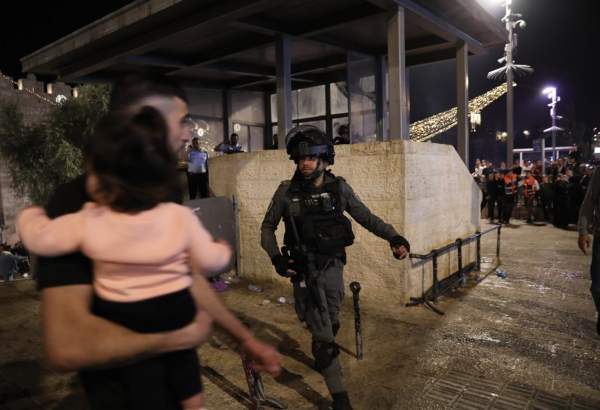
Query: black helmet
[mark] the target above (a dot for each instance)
(308, 140)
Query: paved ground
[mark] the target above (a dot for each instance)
(524, 342)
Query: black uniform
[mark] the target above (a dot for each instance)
(562, 202)
(319, 218)
(589, 216)
(495, 189)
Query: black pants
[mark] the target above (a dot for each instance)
(198, 184)
(323, 325)
(508, 202)
(530, 207)
(492, 203)
(160, 382)
(561, 211)
(547, 207)
(595, 272)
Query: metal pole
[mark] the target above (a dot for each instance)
(460, 264)
(510, 129)
(434, 287)
(462, 101)
(498, 242)
(553, 114)
(478, 251)
(543, 155)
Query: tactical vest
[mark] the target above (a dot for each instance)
(319, 218)
(510, 184)
(529, 187)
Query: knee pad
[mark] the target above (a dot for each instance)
(324, 353)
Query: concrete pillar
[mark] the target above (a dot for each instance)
(462, 101)
(284, 88)
(543, 155)
(226, 100)
(380, 98)
(268, 134)
(398, 90)
(328, 119)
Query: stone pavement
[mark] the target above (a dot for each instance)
(524, 342)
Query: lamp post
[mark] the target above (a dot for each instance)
(509, 71)
(550, 92)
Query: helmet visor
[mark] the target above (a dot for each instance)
(305, 149)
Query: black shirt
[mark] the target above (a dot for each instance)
(74, 268)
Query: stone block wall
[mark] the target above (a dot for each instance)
(34, 103)
(422, 189)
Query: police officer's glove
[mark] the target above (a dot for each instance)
(397, 241)
(281, 264)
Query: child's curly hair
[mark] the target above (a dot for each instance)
(130, 156)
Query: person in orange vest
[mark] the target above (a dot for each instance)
(509, 195)
(530, 190)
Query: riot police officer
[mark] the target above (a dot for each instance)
(312, 205)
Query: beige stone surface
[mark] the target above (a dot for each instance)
(533, 332)
(422, 189)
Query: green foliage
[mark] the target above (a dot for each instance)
(43, 155)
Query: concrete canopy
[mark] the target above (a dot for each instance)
(231, 44)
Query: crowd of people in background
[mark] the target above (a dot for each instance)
(14, 262)
(553, 196)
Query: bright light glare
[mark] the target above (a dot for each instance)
(493, 7)
(526, 132)
(549, 91)
(491, 3)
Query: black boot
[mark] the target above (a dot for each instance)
(336, 328)
(596, 297)
(341, 401)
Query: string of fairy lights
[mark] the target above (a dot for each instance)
(20, 87)
(429, 127)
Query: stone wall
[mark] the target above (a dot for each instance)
(422, 189)
(34, 103)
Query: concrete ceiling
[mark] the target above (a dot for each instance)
(231, 43)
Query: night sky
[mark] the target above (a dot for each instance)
(561, 41)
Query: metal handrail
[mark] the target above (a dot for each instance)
(432, 294)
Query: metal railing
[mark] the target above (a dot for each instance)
(439, 287)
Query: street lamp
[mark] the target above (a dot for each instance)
(509, 70)
(526, 133)
(551, 93)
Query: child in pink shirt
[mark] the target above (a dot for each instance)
(142, 245)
